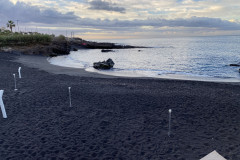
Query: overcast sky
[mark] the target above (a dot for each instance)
(104, 19)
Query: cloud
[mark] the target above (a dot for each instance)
(58, 21)
(193, 22)
(201, 22)
(33, 14)
(26, 13)
(107, 6)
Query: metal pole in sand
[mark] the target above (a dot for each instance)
(169, 126)
(70, 100)
(15, 82)
(2, 105)
(19, 72)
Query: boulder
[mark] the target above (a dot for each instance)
(53, 55)
(75, 49)
(107, 50)
(235, 65)
(104, 64)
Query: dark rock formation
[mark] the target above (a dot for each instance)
(80, 43)
(52, 49)
(60, 47)
(63, 46)
(107, 50)
(235, 65)
(75, 44)
(104, 64)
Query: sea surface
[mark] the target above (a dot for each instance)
(194, 58)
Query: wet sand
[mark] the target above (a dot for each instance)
(112, 117)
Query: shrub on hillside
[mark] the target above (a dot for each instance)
(23, 39)
(60, 38)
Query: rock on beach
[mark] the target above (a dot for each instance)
(104, 64)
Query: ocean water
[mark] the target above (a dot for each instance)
(200, 58)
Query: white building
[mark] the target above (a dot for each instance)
(2, 29)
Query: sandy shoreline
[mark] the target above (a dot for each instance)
(112, 117)
(41, 63)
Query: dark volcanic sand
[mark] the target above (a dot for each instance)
(115, 118)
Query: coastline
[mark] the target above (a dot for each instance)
(113, 117)
(41, 63)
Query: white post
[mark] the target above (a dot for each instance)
(70, 100)
(15, 82)
(169, 127)
(2, 105)
(19, 72)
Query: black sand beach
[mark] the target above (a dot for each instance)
(114, 118)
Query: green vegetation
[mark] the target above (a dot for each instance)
(60, 38)
(9, 39)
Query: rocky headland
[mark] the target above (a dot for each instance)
(60, 46)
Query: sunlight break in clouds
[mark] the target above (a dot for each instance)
(134, 19)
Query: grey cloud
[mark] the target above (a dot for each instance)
(31, 14)
(194, 22)
(202, 22)
(102, 5)
(26, 14)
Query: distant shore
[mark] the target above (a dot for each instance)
(114, 118)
